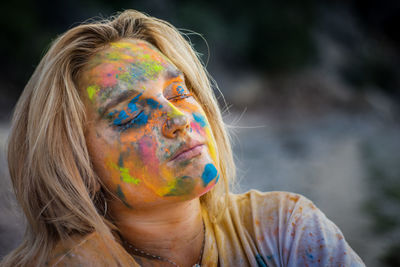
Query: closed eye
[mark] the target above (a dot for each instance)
(178, 97)
(122, 125)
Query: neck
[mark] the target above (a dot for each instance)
(172, 231)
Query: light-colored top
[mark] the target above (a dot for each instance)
(258, 229)
(276, 229)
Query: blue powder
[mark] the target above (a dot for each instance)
(216, 181)
(132, 104)
(136, 72)
(132, 107)
(121, 116)
(110, 115)
(120, 161)
(153, 104)
(180, 90)
(141, 119)
(199, 118)
(121, 196)
(209, 173)
(136, 98)
(138, 122)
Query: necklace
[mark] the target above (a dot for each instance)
(156, 257)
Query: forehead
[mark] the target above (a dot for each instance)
(129, 50)
(126, 61)
(123, 67)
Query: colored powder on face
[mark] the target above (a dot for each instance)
(120, 161)
(117, 56)
(180, 90)
(105, 94)
(208, 187)
(92, 90)
(141, 119)
(127, 63)
(199, 118)
(148, 153)
(152, 69)
(136, 72)
(260, 261)
(132, 108)
(121, 196)
(143, 68)
(216, 181)
(195, 126)
(132, 104)
(121, 116)
(125, 77)
(106, 74)
(124, 172)
(136, 98)
(211, 146)
(121, 45)
(126, 177)
(174, 112)
(112, 113)
(170, 185)
(153, 104)
(183, 186)
(209, 173)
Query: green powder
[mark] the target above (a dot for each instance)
(92, 90)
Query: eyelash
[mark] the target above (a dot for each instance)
(128, 124)
(178, 97)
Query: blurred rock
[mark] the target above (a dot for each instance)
(11, 219)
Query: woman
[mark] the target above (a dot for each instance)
(119, 157)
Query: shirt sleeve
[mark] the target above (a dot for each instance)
(311, 239)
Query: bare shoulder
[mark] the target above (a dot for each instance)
(89, 250)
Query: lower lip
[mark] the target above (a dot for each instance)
(189, 154)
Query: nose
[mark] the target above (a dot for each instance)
(176, 123)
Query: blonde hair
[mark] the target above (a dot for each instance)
(48, 159)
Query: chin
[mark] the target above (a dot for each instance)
(205, 191)
(189, 188)
(208, 187)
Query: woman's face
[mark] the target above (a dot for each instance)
(148, 138)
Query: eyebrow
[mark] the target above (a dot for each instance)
(118, 99)
(173, 73)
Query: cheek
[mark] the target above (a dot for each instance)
(139, 154)
(101, 147)
(147, 148)
(200, 119)
(199, 123)
(201, 126)
(132, 162)
(194, 126)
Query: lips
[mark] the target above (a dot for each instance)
(188, 152)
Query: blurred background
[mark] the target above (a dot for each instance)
(313, 90)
